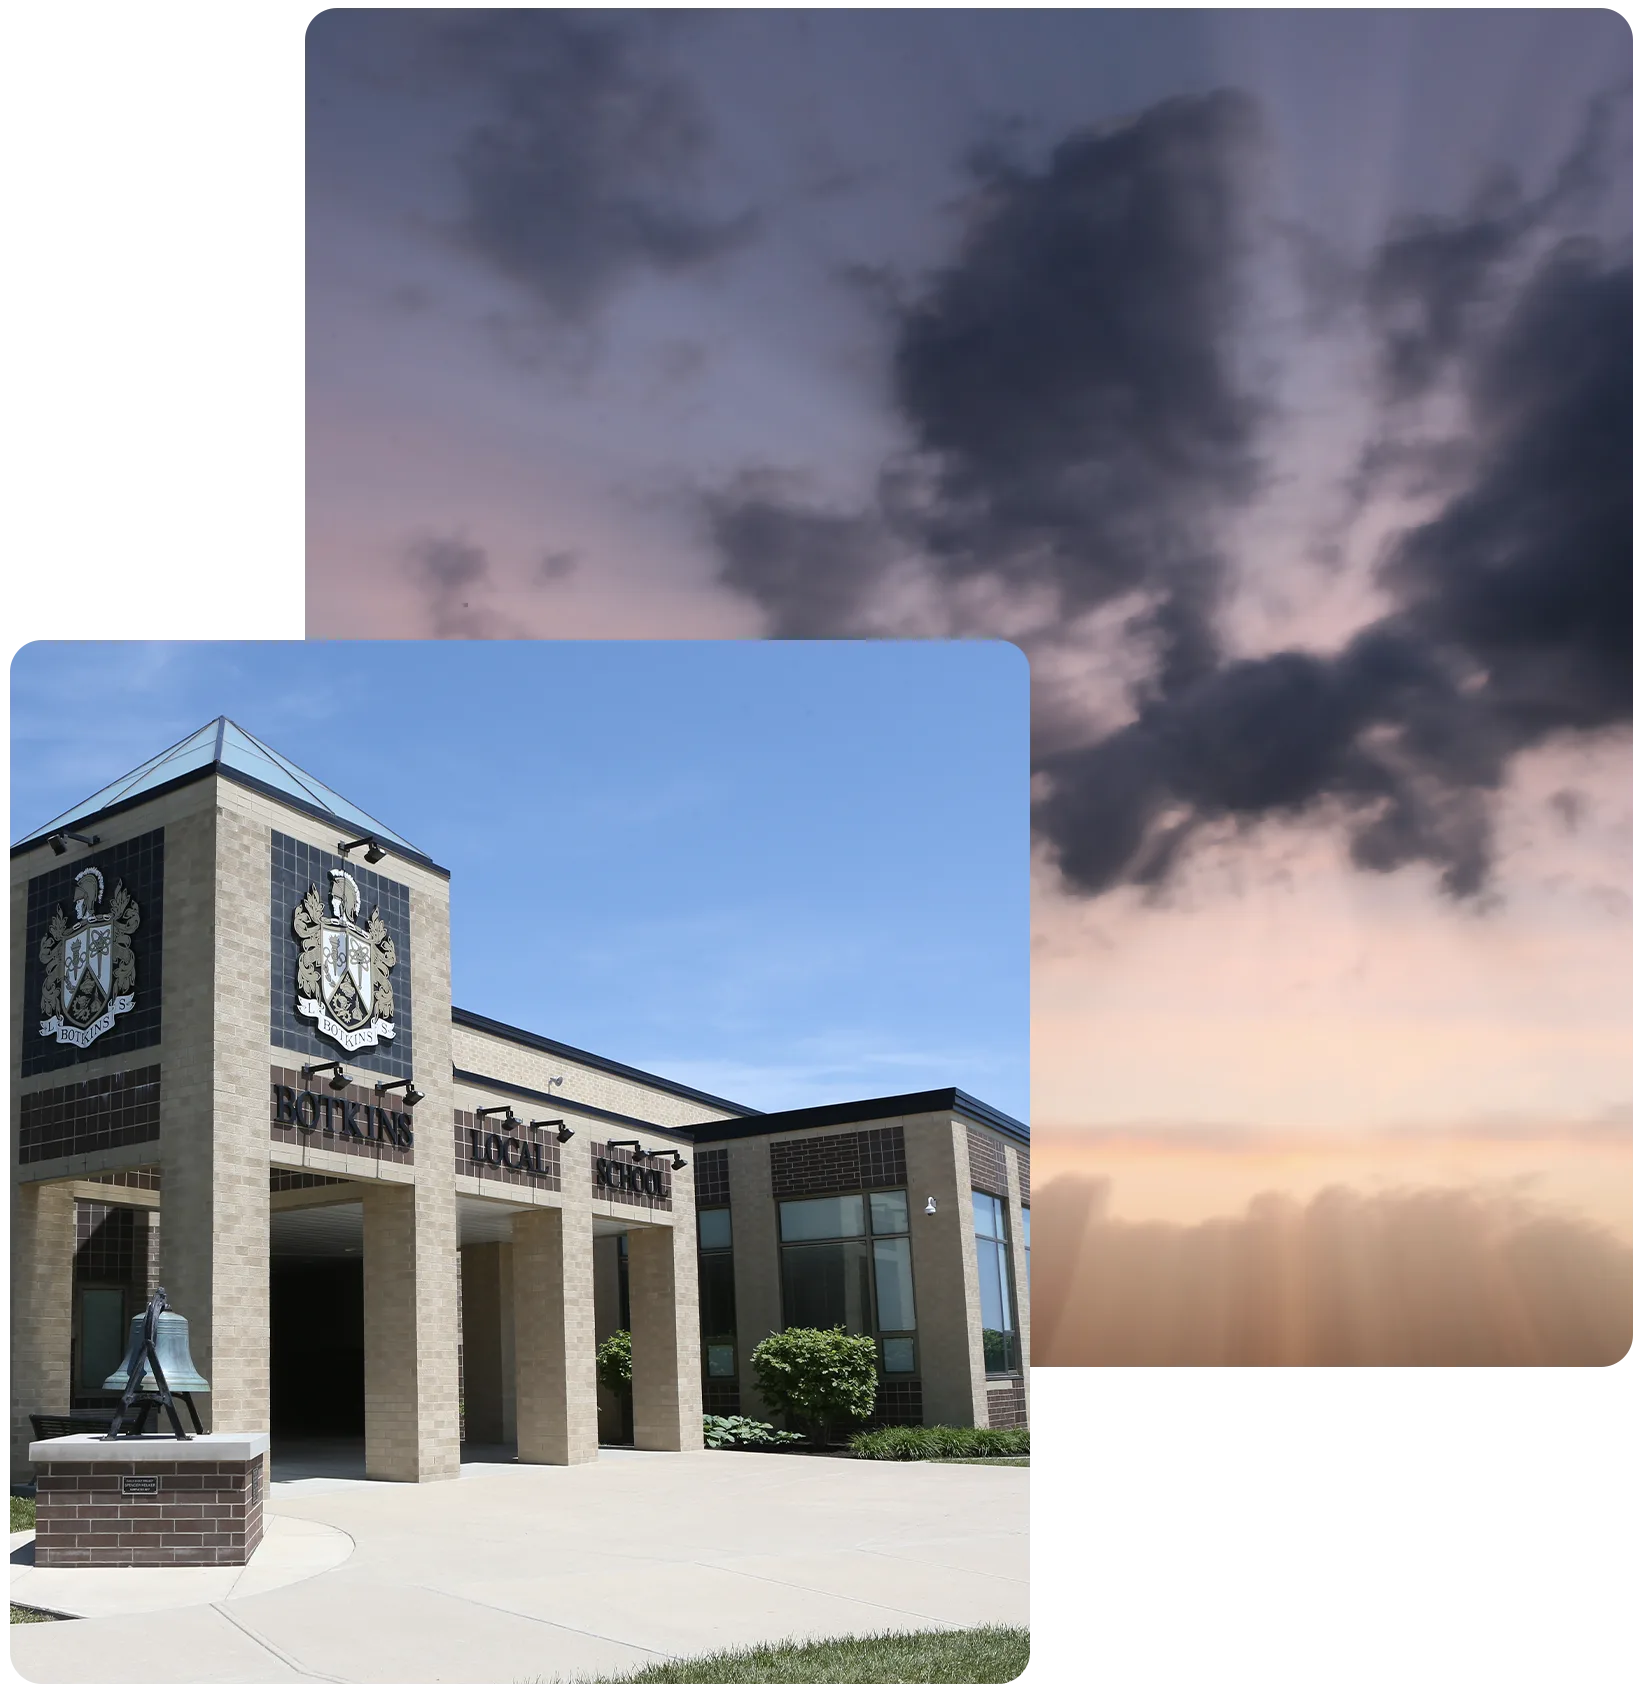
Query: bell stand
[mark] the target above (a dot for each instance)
(146, 1401)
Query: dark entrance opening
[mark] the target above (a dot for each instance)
(317, 1350)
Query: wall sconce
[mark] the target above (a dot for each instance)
(339, 1079)
(676, 1160)
(930, 1208)
(556, 1083)
(510, 1119)
(629, 1142)
(59, 844)
(563, 1134)
(375, 849)
(412, 1097)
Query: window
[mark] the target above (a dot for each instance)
(716, 1316)
(846, 1260)
(102, 1335)
(996, 1287)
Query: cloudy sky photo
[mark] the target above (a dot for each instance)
(1267, 378)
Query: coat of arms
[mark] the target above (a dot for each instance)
(344, 967)
(91, 974)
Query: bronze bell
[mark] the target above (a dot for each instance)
(171, 1345)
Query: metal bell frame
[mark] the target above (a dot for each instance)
(143, 1360)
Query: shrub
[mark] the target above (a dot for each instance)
(613, 1362)
(724, 1431)
(940, 1442)
(822, 1379)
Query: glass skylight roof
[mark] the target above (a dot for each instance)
(224, 742)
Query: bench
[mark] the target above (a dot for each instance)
(89, 1423)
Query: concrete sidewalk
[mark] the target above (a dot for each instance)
(521, 1572)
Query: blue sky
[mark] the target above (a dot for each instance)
(783, 872)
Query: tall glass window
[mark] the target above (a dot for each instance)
(716, 1317)
(996, 1284)
(846, 1260)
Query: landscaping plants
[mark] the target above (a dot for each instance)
(822, 1379)
(939, 1442)
(728, 1431)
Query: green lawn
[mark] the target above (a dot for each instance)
(982, 1460)
(28, 1616)
(989, 1654)
(22, 1513)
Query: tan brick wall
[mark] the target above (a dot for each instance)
(664, 1333)
(42, 1274)
(944, 1272)
(555, 1337)
(532, 1068)
(757, 1306)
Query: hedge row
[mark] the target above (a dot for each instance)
(939, 1442)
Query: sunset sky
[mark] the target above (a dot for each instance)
(1266, 376)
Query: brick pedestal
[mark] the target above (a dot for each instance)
(198, 1503)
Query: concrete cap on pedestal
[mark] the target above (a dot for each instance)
(214, 1446)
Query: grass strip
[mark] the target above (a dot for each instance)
(22, 1513)
(987, 1654)
(29, 1616)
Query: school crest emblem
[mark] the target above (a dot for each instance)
(91, 974)
(344, 966)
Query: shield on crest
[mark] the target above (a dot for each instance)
(346, 974)
(88, 958)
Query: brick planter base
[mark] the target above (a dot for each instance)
(198, 1503)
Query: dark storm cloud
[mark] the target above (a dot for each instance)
(1075, 417)
(581, 172)
(1514, 621)
(1079, 432)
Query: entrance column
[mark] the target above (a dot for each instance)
(555, 1302)
(42, 1297)
(664, 1333)
(409, 1295)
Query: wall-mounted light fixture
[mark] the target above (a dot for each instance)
(628, 1142)
(930, 1208)
(676, 1160)
(564, 1131)
(412, 1097)
(340, 1079)
(556, 1083)
(59, 844)
(375, 849)
(510, 1119)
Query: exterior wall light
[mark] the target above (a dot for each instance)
(340, 1079)
(412, 1097)
(60, 843)
(510, 1119)
(930, 1208)
(564, 1132)
(676, 1160)
(629, 1142)
(375, 849)
(556, 1083)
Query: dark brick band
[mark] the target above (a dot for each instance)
(203, 1513)
(832, 1165)
(118, 1110)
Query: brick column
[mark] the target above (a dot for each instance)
(42, 1296)
(555, 1314)
(758, 1309)
(945, 1273)
(664, 1332)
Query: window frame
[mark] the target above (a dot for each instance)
(869, 1237)
(1003, 1243)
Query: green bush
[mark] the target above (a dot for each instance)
(613, 1362)
(724, 1431)
(822, 1379)
(940, 1442)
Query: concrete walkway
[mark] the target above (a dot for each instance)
(518, 1572)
